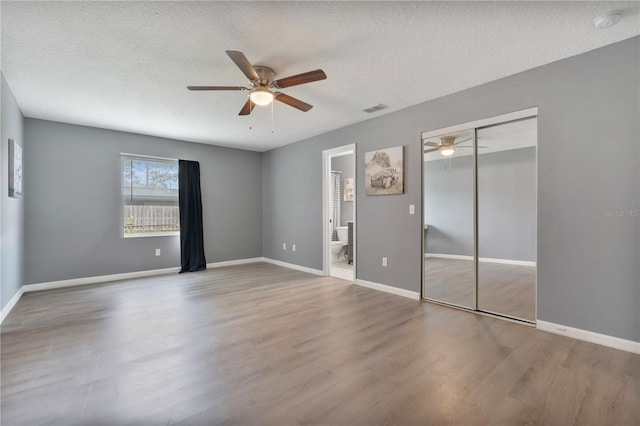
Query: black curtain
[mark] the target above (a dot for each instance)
(190, 201)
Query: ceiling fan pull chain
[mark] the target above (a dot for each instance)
(447, 164)
(271, 117)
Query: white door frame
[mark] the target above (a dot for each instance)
(326, 204)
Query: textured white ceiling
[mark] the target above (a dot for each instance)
(126, 65)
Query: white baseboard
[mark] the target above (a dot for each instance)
(126, 275)
(448, 256)
(506, 261)
(235, 262)
(590, 336)
(293, 266)
(97, 279)
(389, 289)
(12, 302)
(482, 259)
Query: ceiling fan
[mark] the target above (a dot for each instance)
(262, 83)
(448, 145)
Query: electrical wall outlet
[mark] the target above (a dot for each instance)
(384, 261)
(412, 209)
(293, 247)
(157, 252)
(284, 246)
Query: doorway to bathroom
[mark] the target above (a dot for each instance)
(339, 212)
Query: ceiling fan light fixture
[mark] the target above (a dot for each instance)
(447, 151)
(261, 96)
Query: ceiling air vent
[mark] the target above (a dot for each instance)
(375, 108)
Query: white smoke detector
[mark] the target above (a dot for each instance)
(609, 19)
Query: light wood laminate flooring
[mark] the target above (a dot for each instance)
(261, 344)
(503, 289)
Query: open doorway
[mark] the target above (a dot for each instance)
(339, 212)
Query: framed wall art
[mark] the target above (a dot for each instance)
(384, 171)
(15, 169)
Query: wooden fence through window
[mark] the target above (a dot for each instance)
(141, 219)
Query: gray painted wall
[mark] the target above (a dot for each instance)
(345, 164)
(588, 269)
(506, 205)
(73, 202)
(292, 205)
(11, 209)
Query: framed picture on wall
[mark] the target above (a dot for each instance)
(15, 169)
(384, 171)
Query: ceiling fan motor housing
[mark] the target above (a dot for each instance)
(266, 75)
(447, 140)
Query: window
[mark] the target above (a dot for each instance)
(149, 196)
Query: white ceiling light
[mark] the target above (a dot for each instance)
(261, 96)
(447, 150)
(609, 19)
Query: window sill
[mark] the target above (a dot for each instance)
(152, 234)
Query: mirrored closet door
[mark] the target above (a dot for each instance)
(448, 213)
(506, 178)
(480, 216)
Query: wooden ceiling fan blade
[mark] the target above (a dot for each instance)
(291, 101)
(431, 150)
(298, 79)
(463, 140)
(243, 63)
(432, 144)
(247, 108)
(216, 88)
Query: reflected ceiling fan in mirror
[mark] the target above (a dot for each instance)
(447, 145)
(261, 80)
